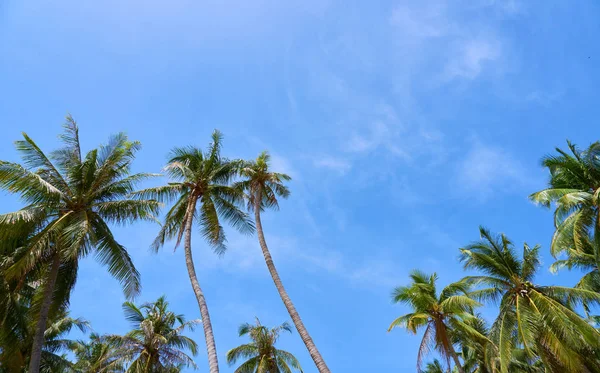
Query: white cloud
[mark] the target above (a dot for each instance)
(488, 169)
(420, 23)
(247, 257)
(336, 164)
(370, 273)
(283, 165)
(543, 98)
(435, 35)
(379, 273)
(471, 58)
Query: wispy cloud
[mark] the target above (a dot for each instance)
(282, 164)
(333, 163)
(543, 98)
(373, 273)
(376, 86)
(488, 169)
(471, 58)
(436, 36)
(376, 272)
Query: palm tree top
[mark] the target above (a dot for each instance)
(258, 331)
(577, 168)
(71, 198)
(421, 295)
(261, 184)
(530, 315)
(503, 271)
(157, 338)
(201, 177)
(261, 354)
(440, 314)
(574, 188)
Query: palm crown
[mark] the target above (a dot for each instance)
(203, 177)
(156, 343)
(439, 314)
(99, 355)
(262, 185)
(261, 354)
(539, 318)
(574, 187)
(70, 202)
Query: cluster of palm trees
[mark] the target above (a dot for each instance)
(155, 344)
(538, 328)
(70, 201)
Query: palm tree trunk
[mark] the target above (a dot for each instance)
(211, 347)
(38, 338)
(310, 345)
(456, 361)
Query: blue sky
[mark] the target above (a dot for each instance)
(405, 125)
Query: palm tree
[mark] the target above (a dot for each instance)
(98, 355)
(201, 191)
(261, 354)
(541, 317)
(574, 187)
(156, 343)
(440, 314)
(70, 200)
(16, 341)
(262, 188)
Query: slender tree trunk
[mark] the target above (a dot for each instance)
(455, 358)
(211, 347)
(310, 345)
(38, 338)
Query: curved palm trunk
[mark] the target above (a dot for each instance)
(38, 338)
(211, 347)
(310, 345)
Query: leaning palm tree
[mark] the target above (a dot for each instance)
(202, 194)
(70, 200)
(574, 187)
(541, 317)
(262, 188)
(440, 315)
(156, 343)
(98, 355)
(260, 355)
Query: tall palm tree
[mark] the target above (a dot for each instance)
(574, 187)
(262, 188)
(98, 355)
(156, 343)
(541, 317)
(70, 200)
(439, 314)
(202, 194)
(260, 354)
